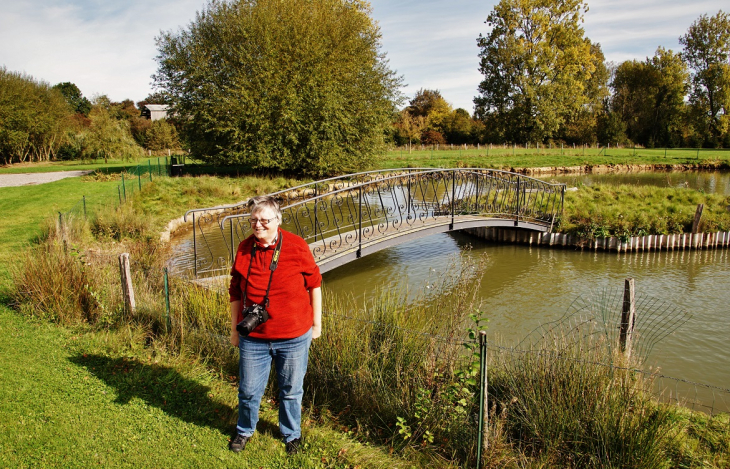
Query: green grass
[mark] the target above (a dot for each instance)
(76, 398)
(111, 166)
(604, 210)
(501, 158)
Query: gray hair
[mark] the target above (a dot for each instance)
(262, 202)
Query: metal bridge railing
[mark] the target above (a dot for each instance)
(344, 214)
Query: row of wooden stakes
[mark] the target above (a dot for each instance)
(672, 242)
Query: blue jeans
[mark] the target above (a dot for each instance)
(290, 359)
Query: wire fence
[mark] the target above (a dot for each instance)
(132, 181)
(537, 149)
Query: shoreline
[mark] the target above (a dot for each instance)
(671, 242)
(620, 168)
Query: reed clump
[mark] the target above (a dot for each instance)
(572, 402)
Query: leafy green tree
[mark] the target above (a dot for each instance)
(73, 96)
(161, 136)
(408, 128)
(707, 52)
(33, 119)
(649, 98)
(106, 137)
(536, 65)
(582, 126)
(290, 85)
(157, 97)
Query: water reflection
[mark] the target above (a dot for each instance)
(525, 287)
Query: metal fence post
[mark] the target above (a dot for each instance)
(139, 178)
(168, 323)
(483, 399)
(195, 250)
(517, 208)
(453, 195)
(83, 197)
(359, 236)
(124, 188)
(149, 166)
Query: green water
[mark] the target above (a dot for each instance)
(523, 288)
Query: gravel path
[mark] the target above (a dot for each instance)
(27, 179)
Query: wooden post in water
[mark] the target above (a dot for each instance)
(628, 317)
(126, 277)
(698, 216)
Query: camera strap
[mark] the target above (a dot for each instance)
(272, 268)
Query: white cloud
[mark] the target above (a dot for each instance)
(108, 47)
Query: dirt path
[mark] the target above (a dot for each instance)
(27, 179)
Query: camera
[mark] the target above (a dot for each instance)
(253, 316)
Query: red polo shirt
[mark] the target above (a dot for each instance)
(290, 313)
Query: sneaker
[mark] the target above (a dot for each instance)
(238, 443)
(292, 447)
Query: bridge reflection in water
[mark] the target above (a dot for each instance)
(347, 217)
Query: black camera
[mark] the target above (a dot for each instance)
(253, 316)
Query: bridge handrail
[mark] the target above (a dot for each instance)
(395, 176)
(321, 181)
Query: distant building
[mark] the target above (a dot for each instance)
(155, 111)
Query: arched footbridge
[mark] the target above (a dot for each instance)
(347, 217)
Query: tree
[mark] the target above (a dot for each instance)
(33, 118)
(649, 97)
(161, 136)
(289, 85)
(408, 128)
(158, 97)
(73, 96)
(706, 51)
(536, 65)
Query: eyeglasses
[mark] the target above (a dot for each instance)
(263, 221)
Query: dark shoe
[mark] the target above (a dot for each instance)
(238, 443)
(292, 447)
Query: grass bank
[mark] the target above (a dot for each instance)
(601, 211)
(518, 158)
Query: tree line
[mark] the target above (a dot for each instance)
(544, 81)
(304, 87)
(39, 122)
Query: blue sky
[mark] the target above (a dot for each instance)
(108, 47)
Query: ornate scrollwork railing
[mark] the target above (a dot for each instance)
(343, 215)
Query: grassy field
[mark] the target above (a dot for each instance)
(506, 158)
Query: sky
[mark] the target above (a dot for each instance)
(108, 47)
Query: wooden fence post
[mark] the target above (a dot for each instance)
(628, 317)
(126, 277)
